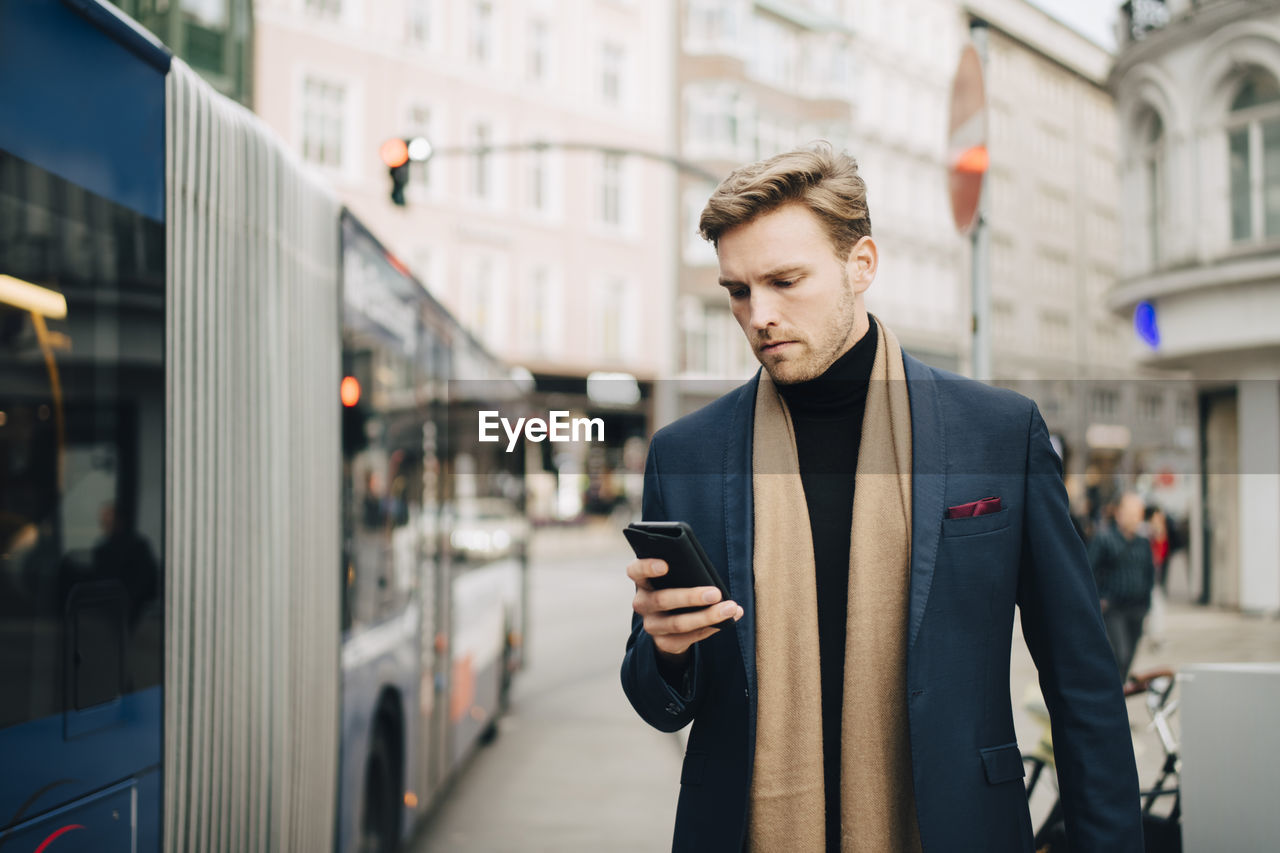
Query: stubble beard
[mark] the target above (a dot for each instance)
(814, 364)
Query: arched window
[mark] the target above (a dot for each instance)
(1151, 152)
(1253, 140)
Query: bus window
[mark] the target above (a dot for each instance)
(82, 439)
(383, 471)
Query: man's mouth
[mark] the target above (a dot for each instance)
(775, 346)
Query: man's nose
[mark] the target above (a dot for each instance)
(764, 311)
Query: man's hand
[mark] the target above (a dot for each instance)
(674, 633)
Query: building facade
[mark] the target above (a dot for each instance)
(1198, 93)
(533, 221)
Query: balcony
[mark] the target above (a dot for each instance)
(1140, 18)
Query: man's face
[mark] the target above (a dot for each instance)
(799, 305)
(1129, 514)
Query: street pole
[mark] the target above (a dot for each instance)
(980, 250)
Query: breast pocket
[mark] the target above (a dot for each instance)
(975, 525)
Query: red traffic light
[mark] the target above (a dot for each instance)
(350, 391)
(395, 152)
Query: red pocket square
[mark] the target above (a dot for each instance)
(982, 507)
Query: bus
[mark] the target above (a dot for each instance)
(217, 387)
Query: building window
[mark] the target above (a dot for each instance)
(1055, 331)
(611, 189)
(538, 56)
(712, 25)
(482, 161)
(612, 60)
(1253, 142)
(1106, 402)
(612, 304)
(323, 103)
(1151, 405)
(1152, 155)
(713, 342)
(538, 317)
(539, 181)
(325, 8)
(719, 123)
(1003, 321)
(484, 302)
(775, 54)
(482, 32)
(1186, 410)
(418, 22)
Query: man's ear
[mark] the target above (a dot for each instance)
(861, 265)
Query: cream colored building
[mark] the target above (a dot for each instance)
(556, 259)
(535, 222)
(1198, 89)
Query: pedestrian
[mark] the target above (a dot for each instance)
(1125, 573)
(1158, 534)
(876, 521)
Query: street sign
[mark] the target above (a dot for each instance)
(967, 139)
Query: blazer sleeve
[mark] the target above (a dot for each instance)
(664, 706)
(1062, 624)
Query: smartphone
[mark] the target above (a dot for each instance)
(687, 563)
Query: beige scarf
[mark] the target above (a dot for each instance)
(877, 805)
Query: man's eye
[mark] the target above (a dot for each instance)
(784, 283)
(738, 293)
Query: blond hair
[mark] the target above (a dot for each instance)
(824, 181)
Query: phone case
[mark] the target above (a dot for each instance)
(674, 542)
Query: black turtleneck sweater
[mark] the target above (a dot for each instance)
(827, 413)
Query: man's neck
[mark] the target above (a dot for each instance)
(840, 387)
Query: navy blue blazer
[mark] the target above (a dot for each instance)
(969, 441)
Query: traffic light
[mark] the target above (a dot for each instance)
(395, 153)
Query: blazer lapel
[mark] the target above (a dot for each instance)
(739, 532)
(928, 486)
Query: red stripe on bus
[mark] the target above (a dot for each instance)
(50, 839)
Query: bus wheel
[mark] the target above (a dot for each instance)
(379, 830)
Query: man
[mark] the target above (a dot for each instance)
(1125, 571)
(876, 521)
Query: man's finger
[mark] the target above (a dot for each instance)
(698, 596)
(682, 642)
(684, 623)
(642, 570)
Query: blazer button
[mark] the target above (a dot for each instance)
(672, 709)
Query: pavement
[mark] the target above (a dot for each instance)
(574, 768)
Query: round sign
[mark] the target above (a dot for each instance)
(967, 139)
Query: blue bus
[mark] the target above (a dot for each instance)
(216, 388)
